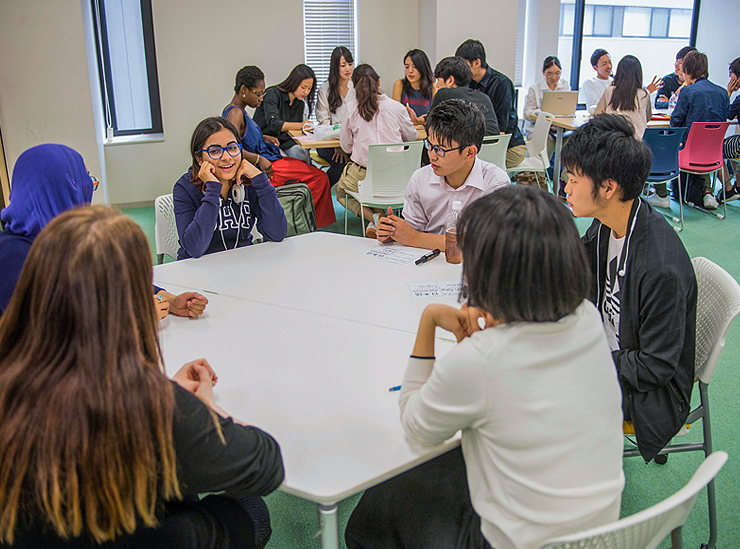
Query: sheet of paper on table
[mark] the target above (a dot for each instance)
(401, 256)
(434, 288)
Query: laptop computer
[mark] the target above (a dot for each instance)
(560, 103)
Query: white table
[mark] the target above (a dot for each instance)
(311, 364)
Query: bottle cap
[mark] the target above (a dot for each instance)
(457, 206)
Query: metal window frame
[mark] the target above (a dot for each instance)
(104, 69)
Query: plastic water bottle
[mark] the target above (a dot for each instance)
(453, 253)
(672, 102)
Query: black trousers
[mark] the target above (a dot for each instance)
(427, 507)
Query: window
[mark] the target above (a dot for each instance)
(326, 25)
(653, 34)
(124, 37)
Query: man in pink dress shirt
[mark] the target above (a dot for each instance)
(455, 130)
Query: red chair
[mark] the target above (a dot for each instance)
(702, 153)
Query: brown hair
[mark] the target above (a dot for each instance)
(205, 129)
(85, 410)
(696, 65)
(365, 81)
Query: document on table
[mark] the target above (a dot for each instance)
(392, 254)
(435, 288)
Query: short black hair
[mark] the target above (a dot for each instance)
(470, 50)
(456, 120)
(522, 257)
(248, 76)
(683, 51)
(596, 55)
(455, 67)
(735, 67)
(606, 148)
(549, 61)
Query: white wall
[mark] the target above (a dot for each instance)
(718, 37)
(44, 87)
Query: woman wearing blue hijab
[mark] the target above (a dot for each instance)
(47, 180)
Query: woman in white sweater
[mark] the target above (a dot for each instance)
(535, 394)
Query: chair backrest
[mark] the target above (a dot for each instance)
(494, 149)
(717, 306)
(703, 149)
(166, 240)
(664, 142)
(389, 168)
(648, 528)
(537, 144)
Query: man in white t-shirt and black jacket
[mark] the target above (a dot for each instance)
(644, 282)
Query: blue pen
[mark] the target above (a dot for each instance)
(396, 388)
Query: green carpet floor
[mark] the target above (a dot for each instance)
(295, 523)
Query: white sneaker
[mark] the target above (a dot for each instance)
(710, 203)
(370, 230)
(657, 202)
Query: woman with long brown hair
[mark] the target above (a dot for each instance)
(371, 118)
(96, 444)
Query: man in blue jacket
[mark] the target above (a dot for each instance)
(643, 281)
(699, 101)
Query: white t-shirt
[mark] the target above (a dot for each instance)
(611, 304)
(593, 89)
(540, 409)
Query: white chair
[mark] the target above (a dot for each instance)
(537, 158)
(166, 240)
(648, 528)
(494, 149)
(717, 306)
(389, 168)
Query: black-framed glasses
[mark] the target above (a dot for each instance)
(216, 152)
(259, 94)
(439, 151)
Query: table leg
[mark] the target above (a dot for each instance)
(329, 526)
(556, 164)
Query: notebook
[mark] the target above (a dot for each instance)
(560, 103)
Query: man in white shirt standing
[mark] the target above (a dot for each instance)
(594, 88)
(455, 131)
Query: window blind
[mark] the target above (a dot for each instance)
(326, 25)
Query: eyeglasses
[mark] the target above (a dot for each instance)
(439, 151)
(259, 94)
(95, 181)
(216, 152)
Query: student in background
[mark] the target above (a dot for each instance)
(534, 393)
(500, 89)
(672, 82)
(263, 151)
(594, 88)
(331, 104)
(283, 109)
(643, 282)
(551, 70)
(699, 101)
(100, 448)
(48, 180)
(731, 147)
(453, 76)
(417, 87)
(209, 217)
(627, 97)
(372, 117)
(455, 130)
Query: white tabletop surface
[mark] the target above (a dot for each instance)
(323, 273)
(315, 376)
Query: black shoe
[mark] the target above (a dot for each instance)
(731, 195)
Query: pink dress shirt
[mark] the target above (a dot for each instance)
(391, 124)
(429, 198)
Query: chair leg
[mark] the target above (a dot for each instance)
(708, 449)
(160, 259)
(345, 215)
(676, 539)
(362, 218)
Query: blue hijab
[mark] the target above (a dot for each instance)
(47, 180)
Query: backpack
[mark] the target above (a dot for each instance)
(296, 200)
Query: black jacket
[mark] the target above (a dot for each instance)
(657, 324)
